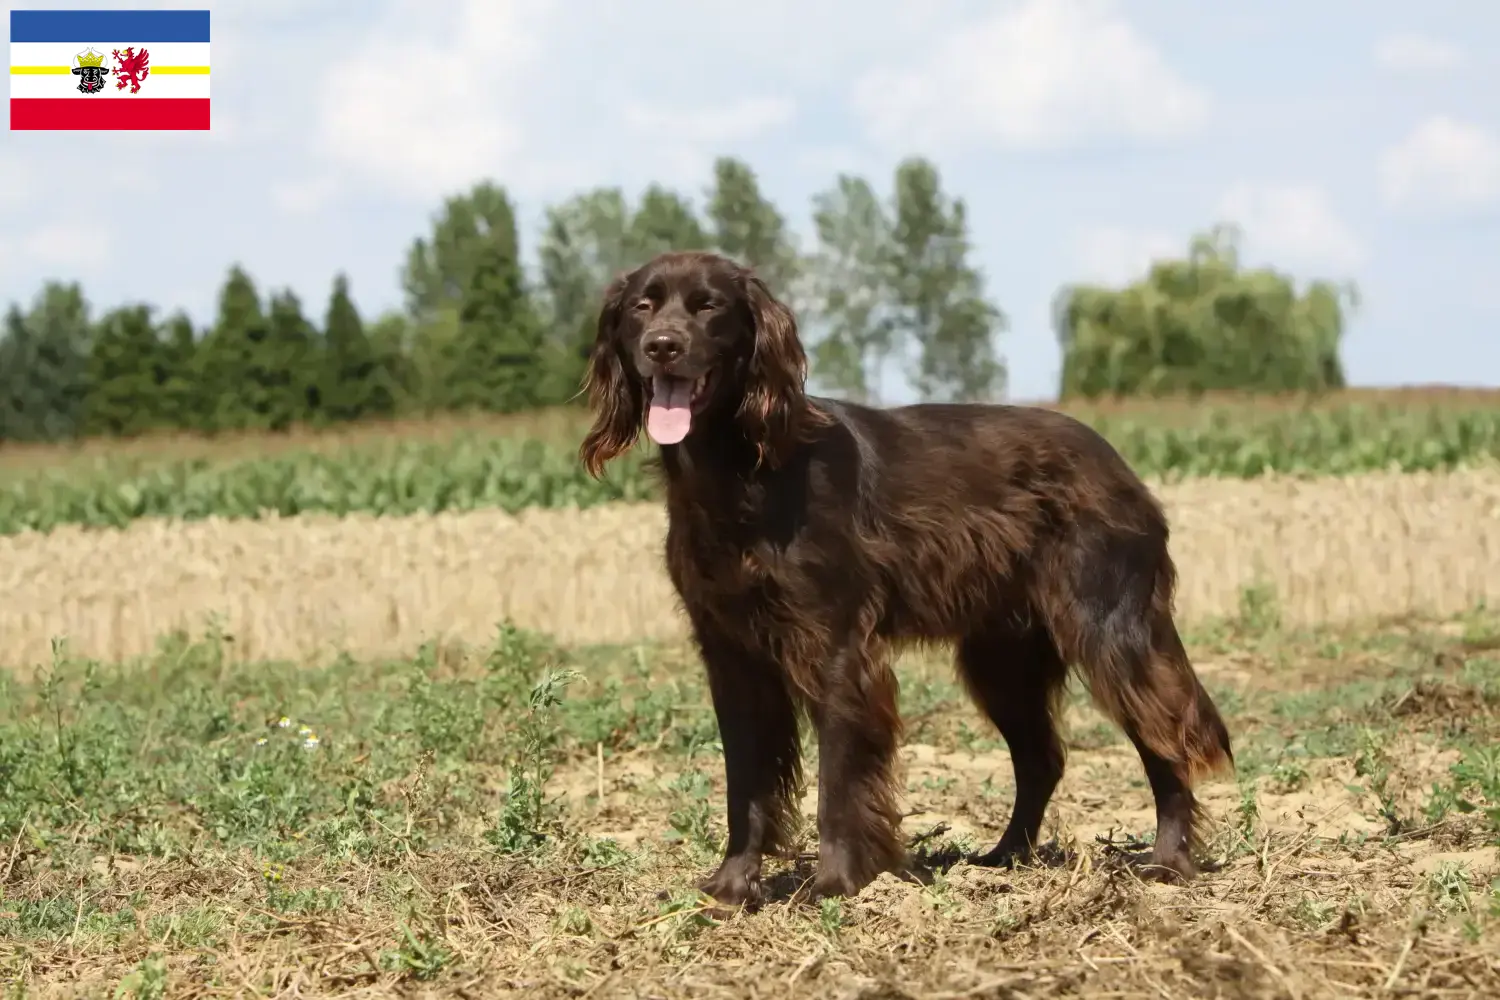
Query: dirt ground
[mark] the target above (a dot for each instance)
(456, 831)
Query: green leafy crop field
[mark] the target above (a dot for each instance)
(513, 467)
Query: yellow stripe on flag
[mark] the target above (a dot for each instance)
(65, 70)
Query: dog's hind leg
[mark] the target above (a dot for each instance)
(1017, 678)
(859, 730)
(1113, 617)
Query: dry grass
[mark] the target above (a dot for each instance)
(1329, 550)
(1338, 875)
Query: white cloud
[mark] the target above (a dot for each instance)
(746, 118)
(423, 104)
(1414, 53)
(1043, 74)
(68, 245)
(1113, 255)
(16, 180)
(1443, 165)
(830, 160)
(797, 43)
(683, 142)
(304, 196)
(1292, 226)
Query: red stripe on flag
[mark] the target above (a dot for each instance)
(72, 113)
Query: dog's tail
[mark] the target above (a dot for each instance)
(1139, 674)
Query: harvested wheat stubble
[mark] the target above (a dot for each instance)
(1332, 549)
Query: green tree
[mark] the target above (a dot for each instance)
(355, 384)
(749, 228)
(125, 364)
(849, 289)
(495, 352)
(287, 367)
(432, 359)
(391, 343)
(940, 305)
(178, 398)
(1200, 324)
(44, 358)
(893, 282)
(663, 221)
(467, 297)
(231, 397)
(585, 243)
(439, 268)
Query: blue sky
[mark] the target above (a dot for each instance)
(1353, 139)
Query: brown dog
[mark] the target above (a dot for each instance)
(808, 536)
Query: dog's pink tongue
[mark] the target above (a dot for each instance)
(671, 415)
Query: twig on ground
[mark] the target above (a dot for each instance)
(1265, 962)
(1390, 981)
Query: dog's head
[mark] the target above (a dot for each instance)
(688, 344)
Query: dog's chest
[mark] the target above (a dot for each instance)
(733, 571)
(722, 562)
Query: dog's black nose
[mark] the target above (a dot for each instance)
(663, 348)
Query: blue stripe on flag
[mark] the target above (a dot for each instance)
(124, 26)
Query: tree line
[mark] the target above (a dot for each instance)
(887, 286)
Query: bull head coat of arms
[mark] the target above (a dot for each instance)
(89, 67)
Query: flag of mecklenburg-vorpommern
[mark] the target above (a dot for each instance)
(109, 69)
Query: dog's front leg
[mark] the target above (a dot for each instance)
(762, 763)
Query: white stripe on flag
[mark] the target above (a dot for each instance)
(62, 53)
(24, 86)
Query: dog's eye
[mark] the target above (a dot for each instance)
(707, 305)
(644, 305)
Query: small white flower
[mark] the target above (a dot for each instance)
(305, 731)
(311, 743)
(283, 722)
(262, 742)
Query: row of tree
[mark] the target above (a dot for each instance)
(1201, 324)
(887, 289)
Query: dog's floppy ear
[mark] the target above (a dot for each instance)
(775, 410)
(617, 400)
